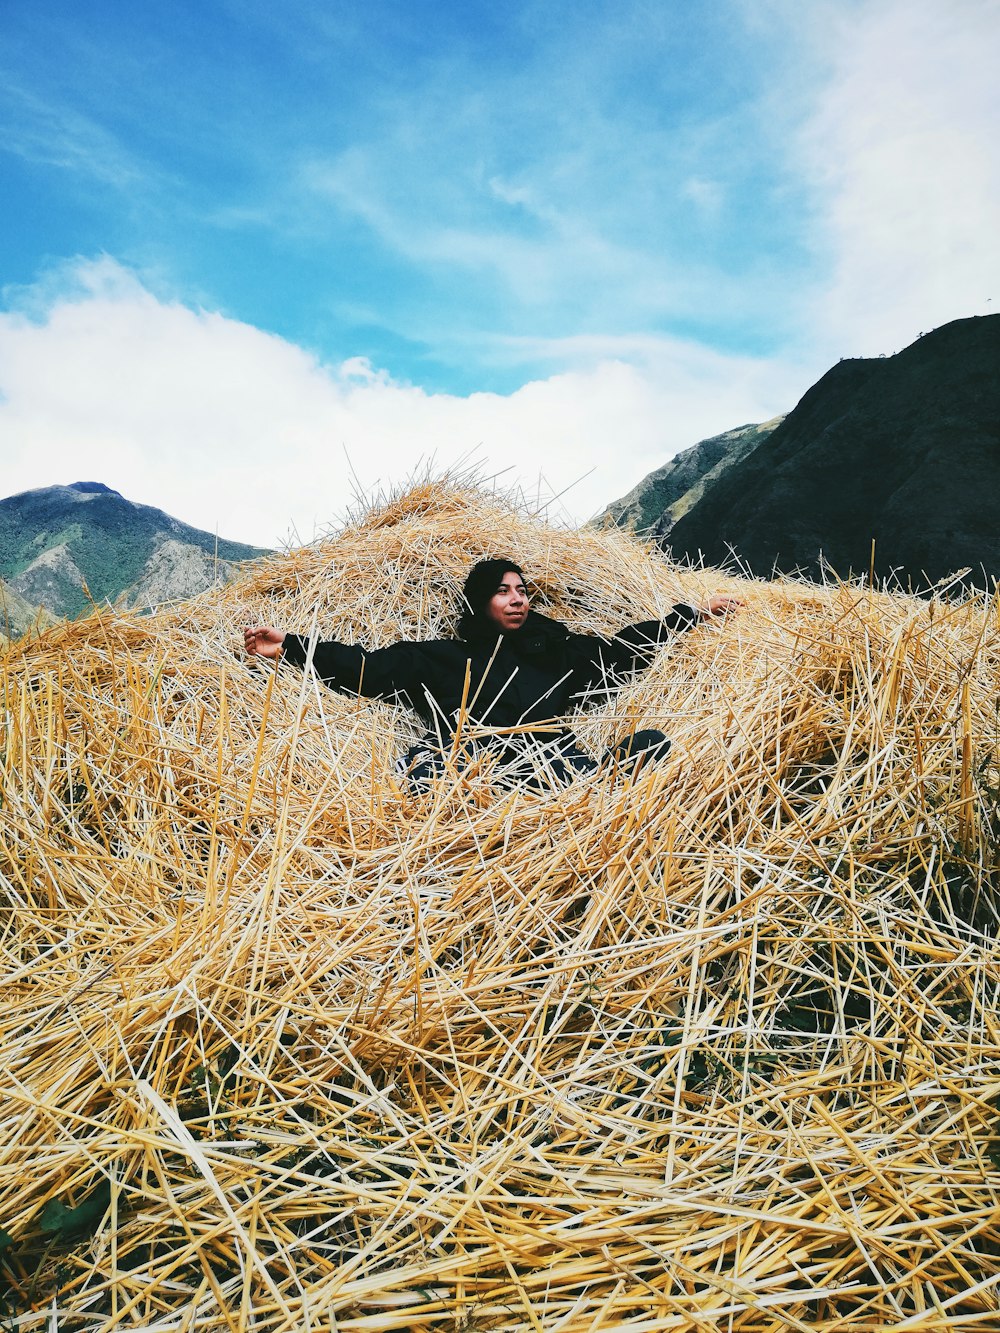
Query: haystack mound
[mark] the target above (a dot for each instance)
(285, 1047)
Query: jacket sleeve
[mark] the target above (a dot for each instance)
(351, 669)
(631, 648)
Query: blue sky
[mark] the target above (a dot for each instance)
(246, 247)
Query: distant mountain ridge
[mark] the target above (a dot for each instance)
(59, 543)
(664, 496)
(901, 450)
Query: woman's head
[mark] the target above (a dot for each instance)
(496, 597)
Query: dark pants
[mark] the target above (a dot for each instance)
(555, 761)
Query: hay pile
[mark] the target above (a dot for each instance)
(285, 1047)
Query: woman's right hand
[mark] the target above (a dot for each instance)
(263, 641)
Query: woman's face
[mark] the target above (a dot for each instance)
(508, 607)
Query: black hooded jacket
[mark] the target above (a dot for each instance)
(526, 677)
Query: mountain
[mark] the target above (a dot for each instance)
(17, 616)
(59, 543)
(663, 496)
(901, 450)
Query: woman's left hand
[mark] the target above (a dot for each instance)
(720, 605)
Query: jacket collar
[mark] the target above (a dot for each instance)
(536, 632)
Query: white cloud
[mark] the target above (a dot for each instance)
(236, 430)
(901, 151)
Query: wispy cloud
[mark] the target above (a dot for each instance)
(52, 133)
(579, 187)
(900, 150)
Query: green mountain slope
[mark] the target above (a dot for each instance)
(17, 615)
(57, 539)
(662, 497)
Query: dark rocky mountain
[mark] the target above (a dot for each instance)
(901, 450)
(664, 496)
(57, 539)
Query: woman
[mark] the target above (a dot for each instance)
(502, 686)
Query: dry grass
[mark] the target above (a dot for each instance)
(714, 1050)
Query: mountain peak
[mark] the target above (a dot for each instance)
(92, 488)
